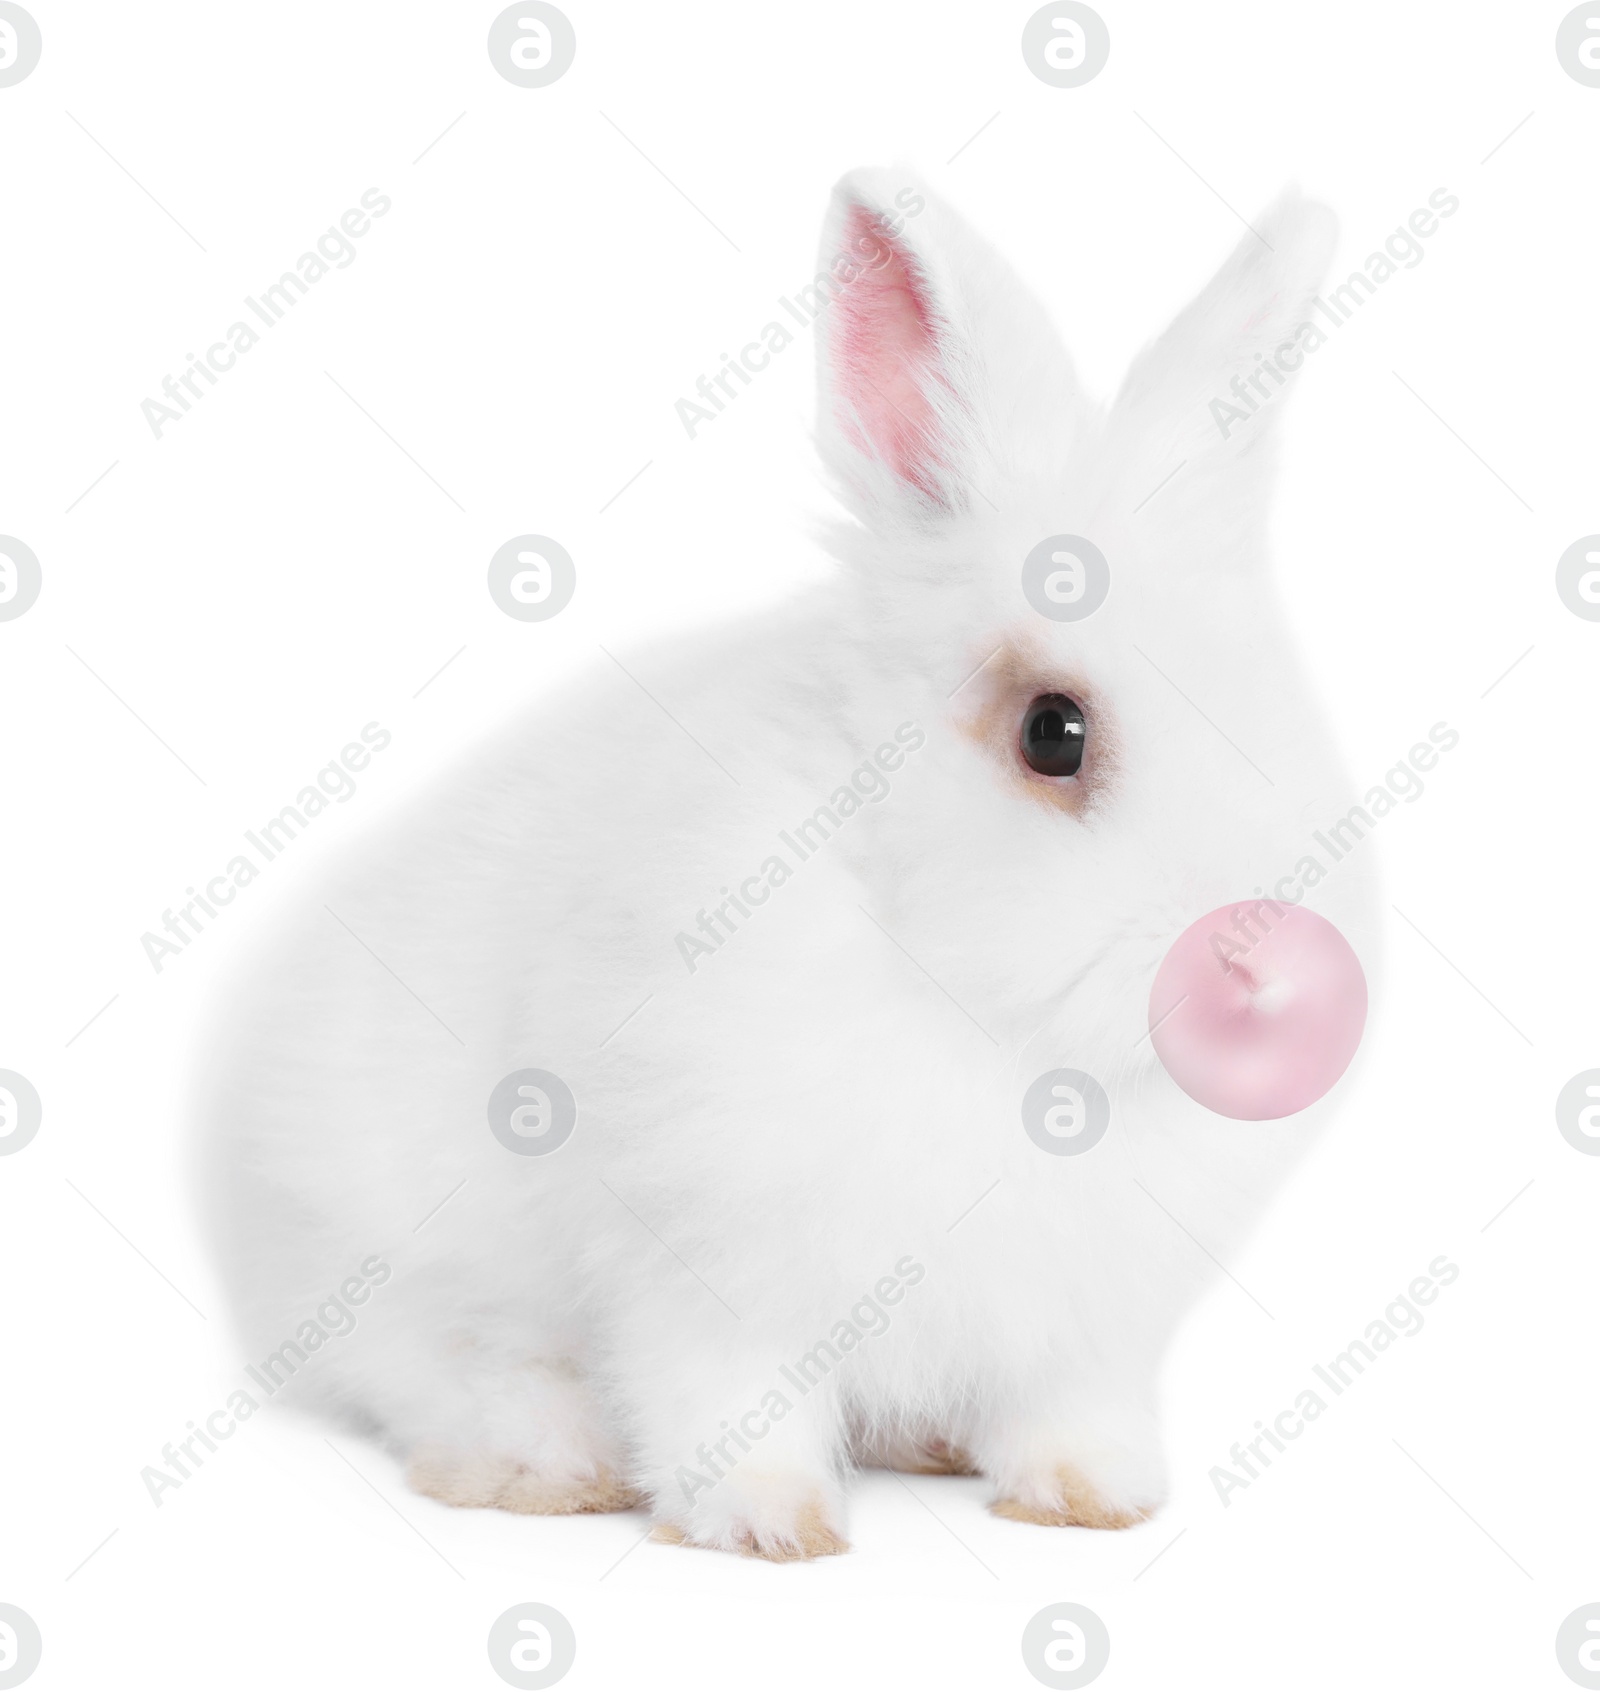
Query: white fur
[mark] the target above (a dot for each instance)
(808, 1107)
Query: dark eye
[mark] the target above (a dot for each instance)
(1053, 733)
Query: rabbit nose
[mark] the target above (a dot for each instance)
(1257, 1009)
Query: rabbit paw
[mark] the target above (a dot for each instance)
(1064, 1496)
(915, 1456)
(483, 1481)
(782, 1517)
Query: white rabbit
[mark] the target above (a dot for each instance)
(799, 1224)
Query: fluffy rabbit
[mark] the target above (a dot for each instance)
(798, 1224)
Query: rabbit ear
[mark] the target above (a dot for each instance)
(919, 343)
(1210, 390)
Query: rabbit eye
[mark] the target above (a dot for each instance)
(1053, 733)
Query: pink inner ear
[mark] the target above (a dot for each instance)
(884, 351)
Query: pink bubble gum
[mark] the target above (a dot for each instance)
(1257, 1009)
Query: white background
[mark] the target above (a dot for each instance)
(275, 572)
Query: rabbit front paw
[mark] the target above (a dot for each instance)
(1100, 1471)
(1065, 1496)
(782, 1515)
